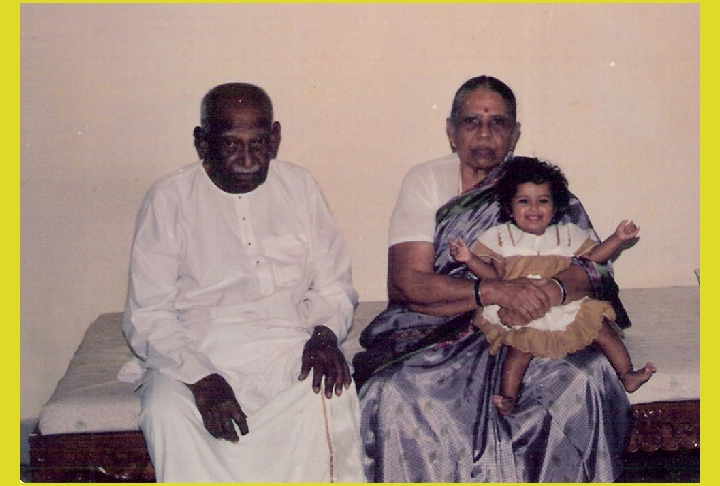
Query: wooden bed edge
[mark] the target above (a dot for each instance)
(123, 457)
(665, 426)
(98, 457)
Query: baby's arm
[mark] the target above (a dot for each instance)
(602, 252)
(461, 253)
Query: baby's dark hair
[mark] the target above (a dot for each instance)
(520, 170)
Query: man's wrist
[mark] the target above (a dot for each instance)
(323, 333)
(208, 382)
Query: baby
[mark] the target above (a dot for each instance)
(530, 243)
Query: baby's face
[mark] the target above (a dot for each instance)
(532, 207)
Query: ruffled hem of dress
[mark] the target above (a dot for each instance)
(552, 344)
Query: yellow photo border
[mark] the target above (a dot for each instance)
(11, 215)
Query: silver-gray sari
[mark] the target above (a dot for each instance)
(426, 384)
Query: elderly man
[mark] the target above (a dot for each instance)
(239, 288)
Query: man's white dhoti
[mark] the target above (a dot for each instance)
(299, 436)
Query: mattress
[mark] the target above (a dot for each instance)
(666, 331)
(90, 398)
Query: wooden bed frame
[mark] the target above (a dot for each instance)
(96, 457)
(122, 456)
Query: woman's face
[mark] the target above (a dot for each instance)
(483, 132)
(532, 207)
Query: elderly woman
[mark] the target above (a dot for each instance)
(427, 377)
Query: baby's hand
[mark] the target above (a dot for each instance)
(459, 250)
(626, 230)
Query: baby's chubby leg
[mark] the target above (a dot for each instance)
(616, 352)
(513, 371)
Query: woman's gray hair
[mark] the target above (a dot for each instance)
(487, 82)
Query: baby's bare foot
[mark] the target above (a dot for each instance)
(632, 380)
(505, 405)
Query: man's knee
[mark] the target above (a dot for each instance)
(166, 403)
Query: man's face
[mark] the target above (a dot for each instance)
(237, 144)
(484, 131)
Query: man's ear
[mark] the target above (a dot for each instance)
(275, 137)
(450, 130)
(201, 143)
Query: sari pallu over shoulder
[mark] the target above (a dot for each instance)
(397, 332)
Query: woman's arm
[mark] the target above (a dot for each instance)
(576, 284)
(413, 282)
(573, 279)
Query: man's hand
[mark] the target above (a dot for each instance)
(322, 354)
(219, 408)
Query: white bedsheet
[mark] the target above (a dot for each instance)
(90, 398)
(665, 331)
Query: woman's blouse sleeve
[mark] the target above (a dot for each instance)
(413, 218)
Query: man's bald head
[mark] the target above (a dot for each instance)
(244, 94)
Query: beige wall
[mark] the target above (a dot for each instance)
(110, 95)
